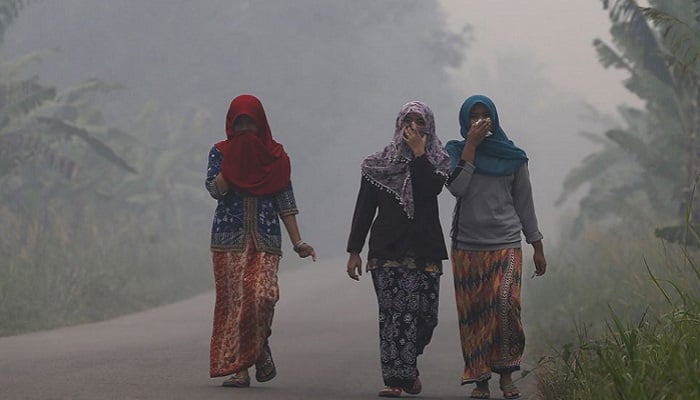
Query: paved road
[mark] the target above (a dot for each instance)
(324, 342)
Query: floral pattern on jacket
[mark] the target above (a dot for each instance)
(240, 217)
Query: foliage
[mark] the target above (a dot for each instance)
(606, 268)
(93, 218)
(106, 241)
(9, 10)
(67, 168)
(36, 121)
(649, 164)
(650, 360)
(640, 181)
(678, 25)
(57, 277)
(656, 358)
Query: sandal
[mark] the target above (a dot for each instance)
(390, 391)
(236, 380)
(510, 391)
(416, 388)
(265, 368)
(479, 393)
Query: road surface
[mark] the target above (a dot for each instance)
(324, 343)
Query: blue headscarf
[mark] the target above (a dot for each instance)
(496, 155)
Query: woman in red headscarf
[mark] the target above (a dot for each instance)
(249, 175)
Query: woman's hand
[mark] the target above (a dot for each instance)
(538, 258)
(414, 139)
(304, 250)
(540, 263)
(354, 266)
(221, 184)
(300, 247)
(478, 131)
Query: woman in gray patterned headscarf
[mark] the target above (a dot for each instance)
(406, 245)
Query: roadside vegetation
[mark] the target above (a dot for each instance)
(93, 216)
(621, 316)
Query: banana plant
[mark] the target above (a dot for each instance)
(41, 128)
(652, 159)
(679, 26)
(35, 119)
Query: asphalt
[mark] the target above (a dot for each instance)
(324, 343)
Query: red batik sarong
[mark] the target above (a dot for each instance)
(487, 289)
(246, 294)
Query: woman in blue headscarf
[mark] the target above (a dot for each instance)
(489, 178)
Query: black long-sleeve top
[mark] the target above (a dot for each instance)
(393, 234)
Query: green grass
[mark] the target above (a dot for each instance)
(598, 272)
(656, 357)
(649, 360)
(49, 280)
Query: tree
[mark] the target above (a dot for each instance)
(37, 123)
(647, 167)
(679, 25)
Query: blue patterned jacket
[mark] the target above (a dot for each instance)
(239, 217)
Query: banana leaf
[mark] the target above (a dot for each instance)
(58, 126)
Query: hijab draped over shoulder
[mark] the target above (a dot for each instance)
(496, 155)
(388, 168)
(253, 161)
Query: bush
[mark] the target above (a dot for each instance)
(52, 276)
(656, 358)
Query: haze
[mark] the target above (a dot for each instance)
(332, 76)
(332, 93)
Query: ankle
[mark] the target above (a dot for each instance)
(482, 385)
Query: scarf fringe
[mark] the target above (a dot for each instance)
(387, 189)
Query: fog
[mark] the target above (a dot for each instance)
(333, 75)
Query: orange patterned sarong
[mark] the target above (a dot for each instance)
(487, 289)
(246, 294)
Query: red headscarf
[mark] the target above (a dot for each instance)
(252, 161)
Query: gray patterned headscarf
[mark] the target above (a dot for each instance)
(388, 169)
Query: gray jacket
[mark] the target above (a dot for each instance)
(491, 211)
